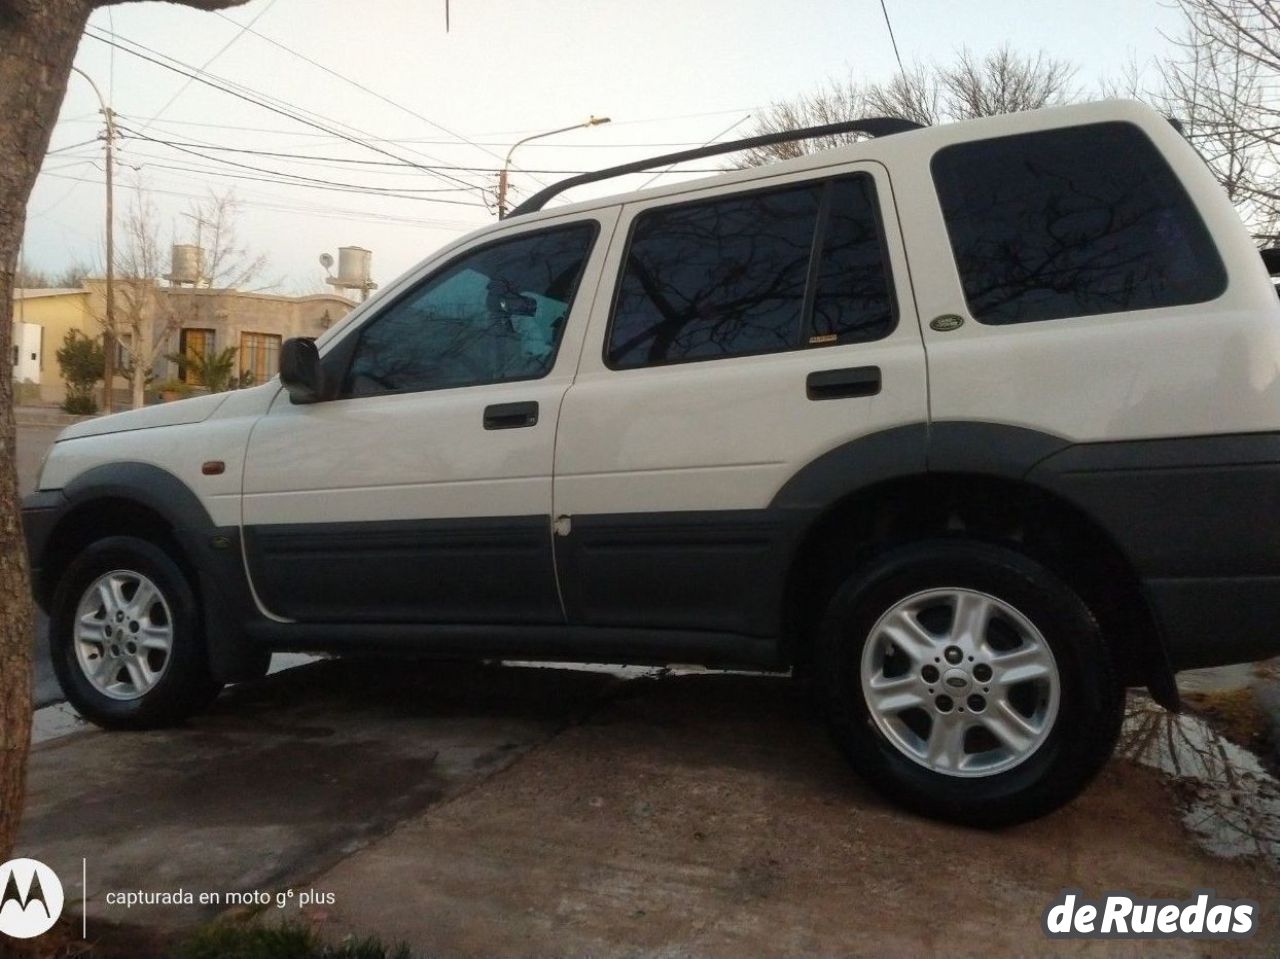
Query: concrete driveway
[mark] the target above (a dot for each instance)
(475, 811)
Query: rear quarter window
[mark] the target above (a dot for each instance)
(1072, 222)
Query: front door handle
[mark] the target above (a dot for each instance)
(510, 416)
(842, 384)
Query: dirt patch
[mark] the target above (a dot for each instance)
(711, 816)
(1236, 714)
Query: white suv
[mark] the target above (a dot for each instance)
(972, 425)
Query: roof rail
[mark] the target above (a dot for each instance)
(873, 126)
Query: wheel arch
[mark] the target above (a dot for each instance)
(144, 500)
(119, 498)
(974, 482)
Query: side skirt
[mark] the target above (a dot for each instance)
(584, 644)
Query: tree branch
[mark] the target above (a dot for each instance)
(194, 4)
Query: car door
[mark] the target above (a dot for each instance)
(422, 492)
(752, 332)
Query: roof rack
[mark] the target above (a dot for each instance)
(873, 126)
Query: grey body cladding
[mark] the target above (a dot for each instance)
(1189, 515)
(488, 570)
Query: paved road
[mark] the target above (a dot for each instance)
(32, 443)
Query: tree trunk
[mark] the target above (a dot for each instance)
(138, 386)
(38, 40)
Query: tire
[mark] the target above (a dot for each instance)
(1047, 666)
(101, 625)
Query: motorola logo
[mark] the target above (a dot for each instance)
(30, 898)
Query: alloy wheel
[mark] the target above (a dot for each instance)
(123, 634)
(960, 682)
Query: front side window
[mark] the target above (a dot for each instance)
(753, 273)
(1072, 222)
(494, 315)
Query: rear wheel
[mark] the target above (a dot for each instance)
(126, 638)
(968, 682)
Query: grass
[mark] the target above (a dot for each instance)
(287, 941)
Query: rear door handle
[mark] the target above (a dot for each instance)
(510, 416)
(842, 384)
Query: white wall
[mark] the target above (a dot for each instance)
(26, 360)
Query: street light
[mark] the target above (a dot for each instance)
(502, 177)
(109, 335)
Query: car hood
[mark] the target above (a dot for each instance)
(163, 414)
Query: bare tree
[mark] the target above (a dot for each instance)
(1004, 82)
(227, 263)
(1217, 85)
(143, 320)
(1001, 82)
(913, 94)
(73, 274)
(146, 314)
(1250, 28)
(38, 40)
(28, 277)
(833, 103)
(69, 277)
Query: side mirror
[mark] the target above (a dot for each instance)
(300, 370)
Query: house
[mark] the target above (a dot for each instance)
(186, 319)
(41, 318)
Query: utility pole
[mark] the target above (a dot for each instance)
(109, 335)
(502, 175)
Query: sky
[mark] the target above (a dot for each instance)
(381, 81)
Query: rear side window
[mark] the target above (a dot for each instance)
(1072, 222)
(753, 273)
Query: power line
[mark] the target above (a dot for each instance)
(735, 123)
(310, 210)
(437, 142)
(634, 122)
(205, 66)
(277, 105)
(317, 185)
(74, 146)
(323, 160)
(208, 80)
(892, 39)
(297, 176)
(373, 93)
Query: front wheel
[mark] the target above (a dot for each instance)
(968, 682)
(126, 639)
